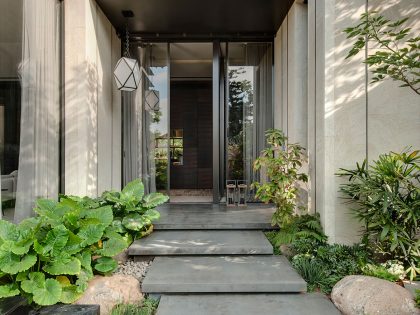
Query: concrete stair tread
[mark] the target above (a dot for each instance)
(202, 242)
(222, 274)
(214, 217)
(246, 304)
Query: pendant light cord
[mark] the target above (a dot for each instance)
(127, 42)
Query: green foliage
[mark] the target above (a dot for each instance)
(387, 194)
(379, 271)
(396, 50)
(302, 226)
(323, 265)
(148, 307)
(48, 258)
(417, 298)
(282, 162)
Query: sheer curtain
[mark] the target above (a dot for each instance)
(38, 174)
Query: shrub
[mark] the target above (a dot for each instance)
(301, 226)
(388, 197)
(333, 262)
(379, 271)
(282, 162)
(48, 258)
(147, 307)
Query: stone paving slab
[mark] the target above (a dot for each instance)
(246, 304)
(202, 242)
(222, 274)
(214, 217)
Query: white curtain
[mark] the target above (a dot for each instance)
(38, 174)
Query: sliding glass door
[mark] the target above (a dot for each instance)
(249, 108)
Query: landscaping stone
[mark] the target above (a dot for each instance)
(110, 291)
(122, 257)
(133, 268)
(286, 250)
(361, 295)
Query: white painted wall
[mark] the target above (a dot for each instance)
(346, 118)
(92, 103)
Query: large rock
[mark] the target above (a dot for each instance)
(110, 291)
(363, 295)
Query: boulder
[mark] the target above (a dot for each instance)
(363, 295)
(110, 291)
(286, 250)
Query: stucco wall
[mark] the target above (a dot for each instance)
(347, 119)
(92, 103)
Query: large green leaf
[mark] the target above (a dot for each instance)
(73, 244)
(13, 264)
(105, 265)
(133, 190)
(154, 199)
(103, 214)
(135, 222)
(8, 290)
(8, 231)
(69, 294)
(82, 280)
(91, 234)
(112, 247)
(56, 240)
(63, 266)
(152, 214)
(47, 208)
(49, 294)
(36, 280)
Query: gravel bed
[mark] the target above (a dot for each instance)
(135, 269)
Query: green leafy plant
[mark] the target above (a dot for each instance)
(303, 226)
(332, 262)
(282, 162)
(51, 257)
(397, 51)
(379, 271)
(417, 297)
(147, 307)
(388, 197)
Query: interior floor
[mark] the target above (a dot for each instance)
(191, 195)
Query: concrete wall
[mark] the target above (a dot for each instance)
(347, 119)
(92, 102)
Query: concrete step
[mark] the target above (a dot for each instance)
(202, 242)
(222, 274)
(246, 304)
(214, 217)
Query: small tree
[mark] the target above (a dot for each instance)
(397, 54)
(282, 162)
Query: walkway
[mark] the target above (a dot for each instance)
(216, 260)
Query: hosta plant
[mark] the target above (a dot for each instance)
(387, 199)
(283, 162)
(50, 258)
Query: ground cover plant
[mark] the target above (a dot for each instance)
(147, 307)
(51, 257)
(386, 196)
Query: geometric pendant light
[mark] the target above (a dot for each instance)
(127, 72)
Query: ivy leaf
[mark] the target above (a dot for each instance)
(133, 190)
(105, 265)
(112, 247)
(63, 266)
(8, 290)
(13, 264)
(152, 214)
(90, 234)
(48, 294)
(135, 222)
(154, 199)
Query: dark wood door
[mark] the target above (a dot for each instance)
(191, 111)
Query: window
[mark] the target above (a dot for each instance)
(177, 146)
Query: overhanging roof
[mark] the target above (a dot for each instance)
(209, 18)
